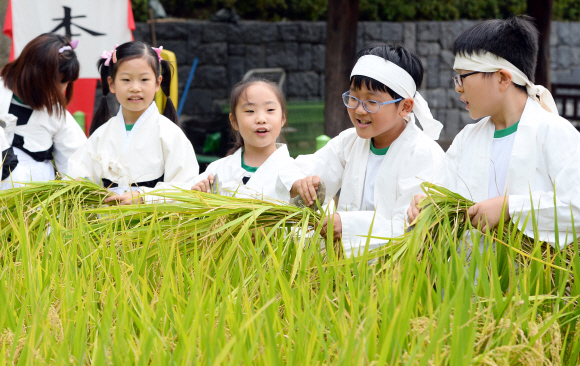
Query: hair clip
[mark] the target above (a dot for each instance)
(108, 56)
(158, 52)
(72, 45)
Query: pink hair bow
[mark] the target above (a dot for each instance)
(73, 45)
(158, 52)
(108, 56)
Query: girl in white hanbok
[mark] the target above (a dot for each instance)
(138, 150)
(34, 92)
(380, 163)
(257, 166)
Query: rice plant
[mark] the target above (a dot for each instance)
(218, 280)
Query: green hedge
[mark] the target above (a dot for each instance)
(374, 10)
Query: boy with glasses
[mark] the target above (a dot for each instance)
(521, 154)
(380, 163)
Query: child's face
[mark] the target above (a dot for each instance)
(477, 92)
(135, 85)
(387, 120)
(259, 116)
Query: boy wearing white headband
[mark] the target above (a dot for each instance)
(521, 152)
(380, 163)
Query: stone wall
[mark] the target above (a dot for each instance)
(227, 51)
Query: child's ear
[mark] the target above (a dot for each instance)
(407, 106)
(283, 120)
(111, 84)
(505, 79)
(158, 84)
(233, 122)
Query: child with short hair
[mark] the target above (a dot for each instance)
(257, 166)
(521, 153)
(34, 91)
(380, 163)
(138, 149)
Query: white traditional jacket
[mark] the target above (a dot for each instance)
(412, 158)
(39, 140)
(270, 182)
(545, 156)
(154, 154)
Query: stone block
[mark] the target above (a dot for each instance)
(235, 70)
(428, 48)
(428, 31)
(575, 79)
(318, 57)
(561, 76)
(213, 53)
(452, 123)
(288, 31)
(322, 86)
(258, 32)
(410, 36)
(142, 32)
(255, 57)
(199, 101)
(437, 98)
(449, 31)
(575, 58)
(210, 77)
(303, 84)
(194, 33)
(215, 32)
(445, 78)
(391, 32)
(564, 56)
(180, 50)
(372, 32)
(283, 55)
(183, 73)
(453, 100)
(432, 72)
(236, 50)
(313, 32)
(360, 43)
(564, 33)
(173, 31)
(446, 60)
(305, 56)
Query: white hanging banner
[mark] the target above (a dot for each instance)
(97, 24)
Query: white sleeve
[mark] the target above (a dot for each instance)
(562, 203)
(69, 138)
(79, 164)
(181, 167)
(328, 163)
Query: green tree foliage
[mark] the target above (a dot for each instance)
(373, 10)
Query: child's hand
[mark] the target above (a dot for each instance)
(488, 213)
(306, 188)
(204, 185)
(413, 210)
(336, 227)
(127, 198)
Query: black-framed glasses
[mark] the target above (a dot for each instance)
(458, 79)
(371, 106)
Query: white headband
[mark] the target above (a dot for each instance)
(488, 62)
(401, 83)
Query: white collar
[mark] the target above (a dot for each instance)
(128, 137)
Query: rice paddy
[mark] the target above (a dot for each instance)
(205, 279)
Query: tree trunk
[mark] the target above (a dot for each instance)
(541, 11)
(340, 54)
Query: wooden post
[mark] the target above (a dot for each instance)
(340, 54)
(541, 11)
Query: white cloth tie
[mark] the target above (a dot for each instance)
(489, 62)
(401, 82)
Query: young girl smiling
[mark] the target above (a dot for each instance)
(257, 163)
(138, 149)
